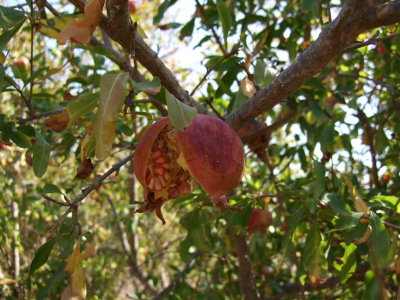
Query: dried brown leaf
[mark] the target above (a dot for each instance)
(85, 169)
(58, 122)
(81, 30)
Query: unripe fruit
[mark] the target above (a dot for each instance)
(169, 162)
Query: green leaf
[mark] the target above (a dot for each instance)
(7, 35)
(162, 9)
(349, 263)
(348, 221)
(337, 204)
(41, 155)
(225, 17)
(187, 30)
(150, 87)
(180, 114)
(41, 256)
(83, 105)
(51, 188)
(239, 100)
(112, 95)
(380, 239)
(307, 4)
(372, 289)
(327, 139)
(319, 171)
(19, 138)
(9, 17)
(262, 73)
(381, 141)
(311, 253)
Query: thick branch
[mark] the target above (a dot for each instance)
(384, 14)
(118, 26)
(355, 17)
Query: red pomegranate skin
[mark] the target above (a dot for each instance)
(214, 154)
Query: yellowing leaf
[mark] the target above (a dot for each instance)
(84, 104)
(6, 281)
(89, 251)
(77, 287)
(359, 204)
(52, 71)
(81, 30)
(112, 92)
(69, 294)
(87, 146)
(58, 24)
(2, 58)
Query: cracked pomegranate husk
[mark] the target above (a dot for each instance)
(170, 163)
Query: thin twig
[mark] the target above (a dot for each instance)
(74, 204)
(219, 62)
(373, 40)
(188, 267)
(211, 105)
(370, 141)
(39, 116)
(55, 200)
(32, 82)
(21, 93)
(99, 180)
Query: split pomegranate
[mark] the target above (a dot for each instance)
(169, 163)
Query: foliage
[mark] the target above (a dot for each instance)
(323, 163)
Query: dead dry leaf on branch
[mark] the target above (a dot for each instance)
(81, 30)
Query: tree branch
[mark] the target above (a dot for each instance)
(383, 15)
(355, 17)
(246, 277)
(119, 27)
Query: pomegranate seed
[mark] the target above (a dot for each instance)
(165, 165)
(156, 154)
(162, 180)
(157, 184)
(160, 171)
(151, 184)
(161, 160)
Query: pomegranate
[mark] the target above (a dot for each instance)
(169, 163)
(260, 219)
(132, 7)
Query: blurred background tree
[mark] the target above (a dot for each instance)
(312, 88)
